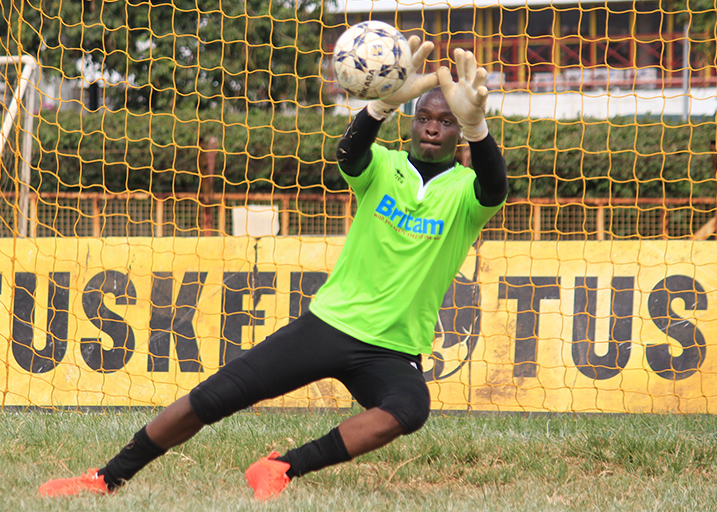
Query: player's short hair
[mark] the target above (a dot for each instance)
(435, 90)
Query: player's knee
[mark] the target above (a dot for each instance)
(411, 409)
(420, 410)
(206, 405)
(222, 394)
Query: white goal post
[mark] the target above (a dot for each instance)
(24, 81)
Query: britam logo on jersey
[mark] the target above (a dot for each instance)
(404, 221)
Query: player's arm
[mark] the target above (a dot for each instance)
(354, 150)
(467, 99)
(491, 183)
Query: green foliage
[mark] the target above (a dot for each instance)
(619, 157)
(261, 151)
(161, 55)
(122, 151)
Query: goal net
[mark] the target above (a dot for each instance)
(170, 197)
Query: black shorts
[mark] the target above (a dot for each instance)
(306, 350)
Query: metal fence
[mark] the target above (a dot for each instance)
(191, 215)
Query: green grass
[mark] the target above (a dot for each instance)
(491, 462)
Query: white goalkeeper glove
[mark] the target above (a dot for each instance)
(414, 85)
(466, 98)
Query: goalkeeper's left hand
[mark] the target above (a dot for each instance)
(413, 87)
(468, 97)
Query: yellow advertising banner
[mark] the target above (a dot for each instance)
(609, 326)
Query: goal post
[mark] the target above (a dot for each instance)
(22, 106)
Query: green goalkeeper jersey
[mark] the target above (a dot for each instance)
(406, 244)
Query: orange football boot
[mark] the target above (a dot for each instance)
(267, 477)
(90, 481)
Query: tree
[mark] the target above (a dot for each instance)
(177, 54)
(701, 15)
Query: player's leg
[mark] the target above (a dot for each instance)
(181, 424)
(391, 387)
(369, 430)
(270, 475)
(359, 434)
(290, 358)
(175, 424)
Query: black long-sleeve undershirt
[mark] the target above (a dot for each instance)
(491, 183)
(354, 150)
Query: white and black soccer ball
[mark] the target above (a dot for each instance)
(371, 60)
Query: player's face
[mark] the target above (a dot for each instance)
(435, 131)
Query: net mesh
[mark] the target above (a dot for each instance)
(170, 197)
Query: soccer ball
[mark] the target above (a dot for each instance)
(371, 60)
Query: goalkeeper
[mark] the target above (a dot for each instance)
(418, 214)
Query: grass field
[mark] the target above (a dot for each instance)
(495, 462)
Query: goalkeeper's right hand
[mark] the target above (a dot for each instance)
(414, 85)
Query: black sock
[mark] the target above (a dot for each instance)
(322, 452)
(140, 451)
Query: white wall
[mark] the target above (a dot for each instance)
(364, 6)
(596, 104)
